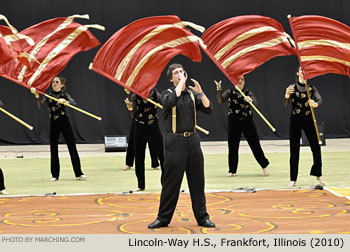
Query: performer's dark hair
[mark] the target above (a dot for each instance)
(296, 71)
(171, 68)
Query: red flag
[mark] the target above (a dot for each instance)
(323, 45)
(135, 56)
(56, 42)
(9, 47)
(5, 52)
(240, 44)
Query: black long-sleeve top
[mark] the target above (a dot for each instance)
(145, 112)
(237, 106)
(57, 110)
(185, 109)
(299, 99)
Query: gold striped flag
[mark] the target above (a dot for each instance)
(56, 41)
(135, 56)
(6, 52)
(240, 44)
(9, 48)
(323, 45)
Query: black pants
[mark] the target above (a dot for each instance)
(143, 134)
(296, 125)
(2, 184)
(182, 155)
(130, 153)
(247, 126)
(62, 125)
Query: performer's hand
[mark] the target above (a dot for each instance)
(181, 85)
(218, 85)
(62, 101)
(248, 99)
(290, 90)
(183, 76)
(128, 104)
(312, 103)
(197, 88)
(33, 90)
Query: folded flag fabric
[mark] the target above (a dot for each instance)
(135, 56)
(56, 41)
(240, 44)
(10, 48)
(323, 45)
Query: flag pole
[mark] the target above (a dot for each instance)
(306, 86)
(228, 77)
(127, 90)
(73, 107)
(313, 114)
(68, 105)
(53, 98)
(256, 110)
(253, 106)
(16, 118)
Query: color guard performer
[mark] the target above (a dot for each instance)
(240, 121)
(301, 119)
(130, 153)
(59, 123)
(146, 129)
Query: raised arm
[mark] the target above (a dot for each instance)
(36, 94)
(221, 97)
(289, 90)
(198, 89)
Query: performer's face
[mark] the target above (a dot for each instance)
(300, 75)
(56, 84)
(176, 74)
(241, 83)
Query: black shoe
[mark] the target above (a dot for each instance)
(206, 223)
(157, 224)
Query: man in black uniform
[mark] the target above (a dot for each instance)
(240, 120)
(182, 148)
(146, 129)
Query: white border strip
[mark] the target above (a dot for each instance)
(337, 194)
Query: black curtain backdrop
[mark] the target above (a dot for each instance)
(104, 98)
